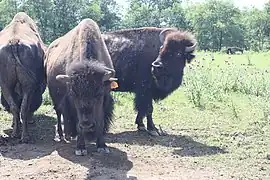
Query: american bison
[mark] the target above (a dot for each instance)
(233, 50)
(79, 73)
(149, 62)
(22, 73)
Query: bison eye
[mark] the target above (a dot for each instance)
(178, 54)
(161, 47)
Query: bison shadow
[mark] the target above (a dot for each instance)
(182, 145)
(100, 166)
(114, 165)
(41, 132)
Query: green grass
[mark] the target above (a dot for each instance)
(223, 103)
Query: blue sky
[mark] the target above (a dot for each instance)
(239, 3)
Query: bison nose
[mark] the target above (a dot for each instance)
(157, 64)
(87, 125)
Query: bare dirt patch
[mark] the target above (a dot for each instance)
(134, 155)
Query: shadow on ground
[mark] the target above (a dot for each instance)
(114, 165)
(183, 145)
(100, 166)
(42, 133)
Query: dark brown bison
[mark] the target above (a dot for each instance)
(79, 73)
(149, 62)
(233, 50)
(21, 71)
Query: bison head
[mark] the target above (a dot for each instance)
(87, 83)
(177, 49)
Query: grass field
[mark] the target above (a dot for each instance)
(218, 126)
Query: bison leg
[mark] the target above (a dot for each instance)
(67, 128)
(151, 128)
(101, 146)
(80, 147)
(144, 106)
(139, 122)
(142, 100)
(26, 115)
(15, 112)
(59, 125)
(150, 124)
(69, 121)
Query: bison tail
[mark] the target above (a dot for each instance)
(14, 45)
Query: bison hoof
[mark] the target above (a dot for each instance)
(25, 139)
(154, 133)
(73, 138)
(157, 132)
(103, 150)
(68, 138)
(31, 121)
(80, 152)
(141, 128)
(15, 134)
(56, 139)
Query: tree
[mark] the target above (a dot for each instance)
(216, 24)
(104, 12)
(155, 13)
(41, 10)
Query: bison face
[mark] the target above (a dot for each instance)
(177, 49)
(86, 87)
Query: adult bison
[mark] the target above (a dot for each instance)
(233, 50)
(21, 71)
(79, 73)
(149, 62)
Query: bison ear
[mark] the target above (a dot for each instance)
(190, 57)
(107, 76)
(63, 78)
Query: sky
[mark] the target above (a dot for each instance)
(239, 3)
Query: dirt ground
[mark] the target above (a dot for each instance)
(134, 155)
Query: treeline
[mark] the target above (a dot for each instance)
(217, 24)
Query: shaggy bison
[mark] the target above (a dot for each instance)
(233, 50)
(149, 62)
(21, 71)
(79, 73)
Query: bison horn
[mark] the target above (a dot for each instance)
(109, 75)
(63, 78)
(191, 48)
(109, 69)
(162, 35)
(113, 79)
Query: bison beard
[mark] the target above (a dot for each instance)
(82, 110)
(79, 74)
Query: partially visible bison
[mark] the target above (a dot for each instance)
(233, 50)
(21, 71)
(79, 73)
(149, 62)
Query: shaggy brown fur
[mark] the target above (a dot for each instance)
(21, 71)
(178, 39)
(77, 75)
(136, 55)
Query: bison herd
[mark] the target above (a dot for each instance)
(81, 68)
